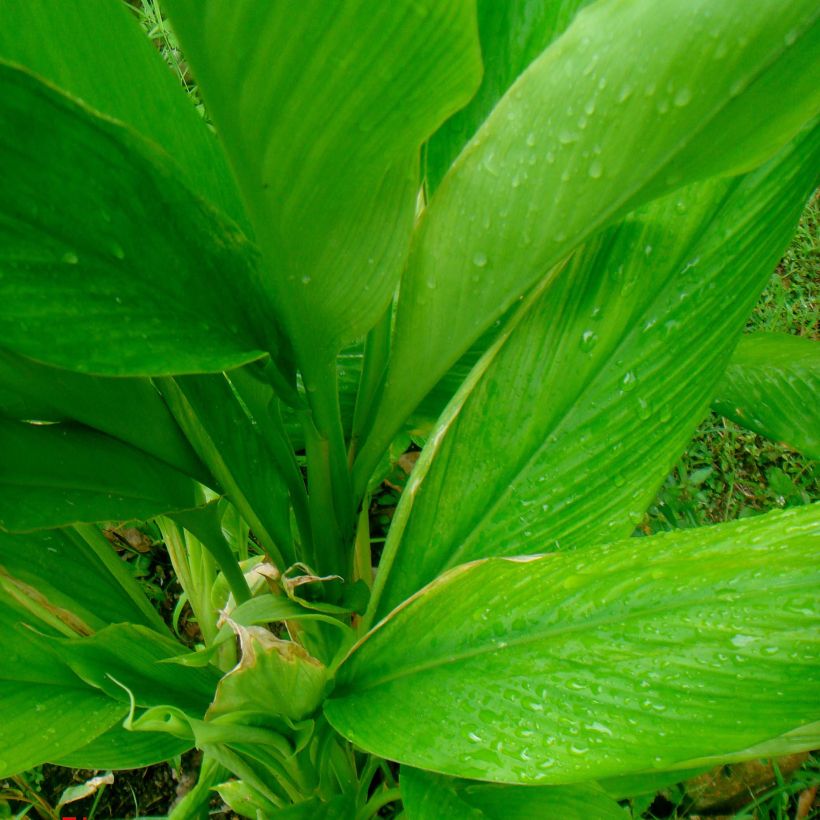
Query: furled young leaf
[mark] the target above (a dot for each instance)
(772, 386)
(45, 710)
(605, 661)
(429, 796)
(611, 370)
(633, 101)
(226, 439)
(70, 575)
(512, 35)
(131, 410)
(139, 275)
(58, 474)
(322, 119)
(105, 60)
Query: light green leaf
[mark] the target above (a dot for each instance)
(322, 119)
(429, 796)
(129, 409)
(104, 78)
(611, 370)
(69, 574)
(772, 386)
(141, 277)
(58, 474)
(634, 100)
(230, 444)
(606, 661)
(45, 710)
(512, 35)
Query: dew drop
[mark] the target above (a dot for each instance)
(480, 259)
(531, 139)
(566, 137)
(70, 258)
(117, 250)
(596, 169)
(643, 410)
(305, 280)
(628, 381)
(682, 98)
(589, 339)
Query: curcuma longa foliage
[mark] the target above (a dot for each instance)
(529, 232)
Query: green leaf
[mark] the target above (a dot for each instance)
(611, 370)
(323, 119)
(634, 100)
(429, 796)
(130, 655)
(606, 661)
(104, 78)
(129, 409)
(45, 710)
(118, 748)
(512, 35)
(70, 575)
(58, 474)
(141, 276)
(230, 444)
(771, 386)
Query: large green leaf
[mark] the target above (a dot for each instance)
(58, 474)
(100, 238)
(126, 80)
(606, 661)
(512, 35)
(634, 100)
(597, 388)
(428, 796)
(129, 409)
(68, 573)
(322, 119)
(772, 386)
(45, 710)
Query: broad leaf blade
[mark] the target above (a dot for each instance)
(129, 409)
(99, 238)
(323, 119)
(598, 389)
(512, 35)
(772, 386)
(69, 575)
(606, 661)
(45, 710)
(60, 42)
(429, 796)
(634, 100)
(58, 474)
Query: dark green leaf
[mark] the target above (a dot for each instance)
(141, 277)
(58, 474)
(428, 796)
